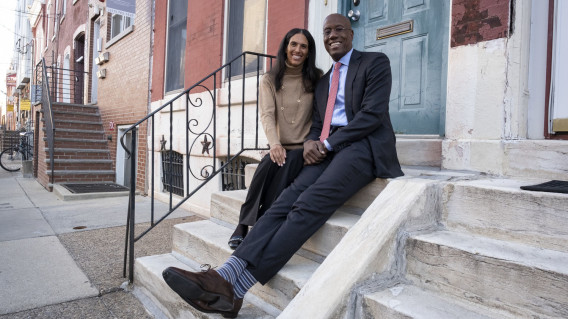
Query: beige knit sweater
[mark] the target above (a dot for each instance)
(286, 115)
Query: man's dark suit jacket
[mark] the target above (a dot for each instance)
(367, 93)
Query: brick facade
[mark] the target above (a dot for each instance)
(474, 21)
(122, 96)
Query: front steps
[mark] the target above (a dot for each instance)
(81, 153)
(491, 251)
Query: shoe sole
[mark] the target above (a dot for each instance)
(189, 290)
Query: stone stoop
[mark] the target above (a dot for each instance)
(81, 153)
(205, 242)
(501, 253)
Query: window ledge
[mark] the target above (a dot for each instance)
(119, 36)
(75, 1)
(62, 18)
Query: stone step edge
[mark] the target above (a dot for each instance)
(176, 260)
(79, 150)
(520, 254)
(67, 139)
(414, 302)
(79, 161)
(80, 172)
(71, 130)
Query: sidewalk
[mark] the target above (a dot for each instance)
(48, 269)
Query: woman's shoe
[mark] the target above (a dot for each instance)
(235, 241)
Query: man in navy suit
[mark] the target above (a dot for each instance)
(355, 145)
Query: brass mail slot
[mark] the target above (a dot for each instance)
(395, 29)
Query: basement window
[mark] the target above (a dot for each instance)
(172, 172)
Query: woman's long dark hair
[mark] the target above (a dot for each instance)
(310, 73)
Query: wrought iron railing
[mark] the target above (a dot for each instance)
(47, 115)
(220, 79)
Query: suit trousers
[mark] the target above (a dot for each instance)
(268, 181)
(303, 207)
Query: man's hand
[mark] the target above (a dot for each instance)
(314, 152)
(278, 154)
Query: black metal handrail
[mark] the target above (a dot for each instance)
(48, 116)
(208, 84)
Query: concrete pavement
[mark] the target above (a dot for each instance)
(51, 269)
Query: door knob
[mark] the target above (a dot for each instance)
(354, 15)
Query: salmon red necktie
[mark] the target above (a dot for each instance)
(330, 102)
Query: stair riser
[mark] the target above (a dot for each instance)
(81, 135)
(94, 144)
(532, 218)
(82, 166)
(80, 155)
(372, 309)
(82, 126)
(278, 292)
(82, 178)
(85, 117)
(487, 281)
(74, 108)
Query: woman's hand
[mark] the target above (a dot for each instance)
(278, 154)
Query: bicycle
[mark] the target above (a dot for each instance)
(12, 157)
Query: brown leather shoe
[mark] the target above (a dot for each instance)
(206, 291)
(203, 307)
(237, 304)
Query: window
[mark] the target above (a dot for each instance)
(172, 172)
(175, 56)
(118, 24)
(246, 32)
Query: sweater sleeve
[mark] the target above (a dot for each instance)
(267, 103)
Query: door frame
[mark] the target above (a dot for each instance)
(549, 62)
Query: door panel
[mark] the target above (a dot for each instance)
(417, 50)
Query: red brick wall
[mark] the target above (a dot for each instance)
(159, 52)
(283, 16)
(122, 96)
(204, 46)
(474, 21)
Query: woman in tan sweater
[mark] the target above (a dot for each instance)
(286, 96)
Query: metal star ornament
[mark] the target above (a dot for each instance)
(205, 144)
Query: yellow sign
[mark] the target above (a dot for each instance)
(25, 105)
(10, 108)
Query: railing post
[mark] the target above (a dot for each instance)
(132, 213)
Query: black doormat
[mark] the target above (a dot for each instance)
(79, 188)
(552, 187)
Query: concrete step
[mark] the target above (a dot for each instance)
(68, 176)
(407, 301)
(154, 293)
(86, 125)
(523, 280)
(76, 116)
(71, 107)
(82, 164)
(225, 206)
(62, 142)
(79, 133)
(74, 153)
(500, 209)
(206, 243)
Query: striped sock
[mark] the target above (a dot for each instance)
(232, 269)
(244, 282)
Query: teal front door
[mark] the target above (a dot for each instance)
(414, 35)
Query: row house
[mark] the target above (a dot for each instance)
(96, 59)
(475, 84)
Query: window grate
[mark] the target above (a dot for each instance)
(233, 176)
(172, 168)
